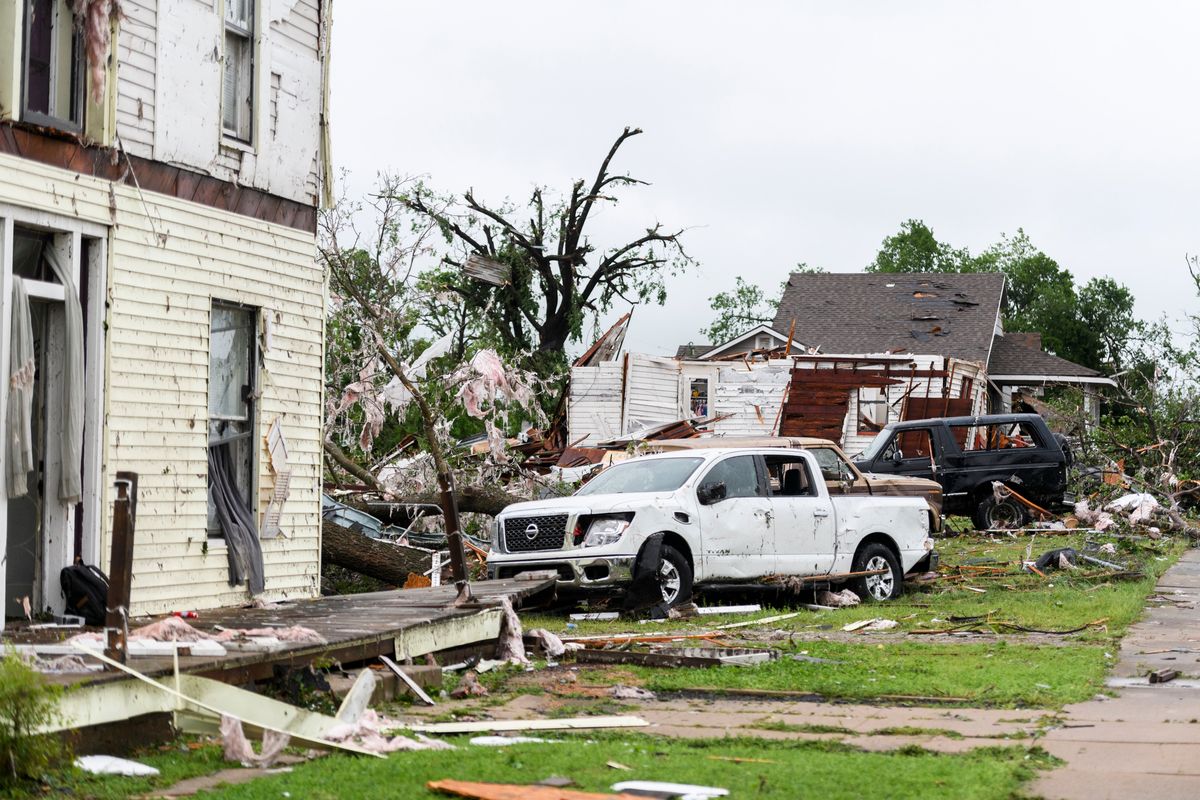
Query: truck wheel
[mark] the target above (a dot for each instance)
(877, 588)
(990, 515)
(674, 577)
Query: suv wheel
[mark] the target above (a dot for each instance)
(877, 588)
(674, 577)
(1005, 514)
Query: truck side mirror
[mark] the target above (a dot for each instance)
(711, 493)
(897, 456)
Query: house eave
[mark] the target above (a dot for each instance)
(1099, 380)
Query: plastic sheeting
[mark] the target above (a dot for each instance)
(237, 522)
(19, 417)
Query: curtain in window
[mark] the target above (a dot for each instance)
(19, 419)
(237, 522)
(71, 433)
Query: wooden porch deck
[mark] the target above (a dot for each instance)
(399, 624)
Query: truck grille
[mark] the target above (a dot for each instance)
(550, 533)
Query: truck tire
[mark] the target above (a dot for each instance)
(990, 515)
(877, 588)
(674, 577)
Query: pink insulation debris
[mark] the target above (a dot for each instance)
(238, 748)
(96, 17)
(174, 629)
(511, 647)
(296, 633)
(368, 732)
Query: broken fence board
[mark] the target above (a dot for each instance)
(486, 726)
(687, 657)
(508, 791)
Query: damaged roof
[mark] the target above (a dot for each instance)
(693, 350)
(1011, 357)
(948, 314)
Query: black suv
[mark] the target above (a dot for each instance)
(966, 454)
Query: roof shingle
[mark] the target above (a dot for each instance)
(1011, 357)
(948, 314)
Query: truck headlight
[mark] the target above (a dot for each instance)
(605, 530)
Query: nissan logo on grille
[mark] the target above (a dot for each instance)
(541, 532)
(531, 532)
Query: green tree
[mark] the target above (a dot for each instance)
(557, 277)
(916, 249)
(745, 306)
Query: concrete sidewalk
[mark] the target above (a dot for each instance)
(1146, 741)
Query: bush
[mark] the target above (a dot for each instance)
(27, 703)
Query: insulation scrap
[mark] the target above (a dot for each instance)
(1139, 507)
(368, 732)
(842, 599)
(551, 645)
(877, 624)
(511, 647)
(96, 18)
(238, 748)
(296, 633)
(469, 686)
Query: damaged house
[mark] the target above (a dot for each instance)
(845, 355)
(161, 167)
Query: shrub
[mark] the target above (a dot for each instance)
(27, 703)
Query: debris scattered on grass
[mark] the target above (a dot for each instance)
(469, 686)
(595, 616)
(111, 765)
(622, 692)
(842, 599)
(505, 741)
(684, 791)
(1163, 675)
(876, 624)
(511, 646)
(617, 765)
(238, 748)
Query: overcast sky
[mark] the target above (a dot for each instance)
(795, 131)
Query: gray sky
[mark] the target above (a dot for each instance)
(796, 131)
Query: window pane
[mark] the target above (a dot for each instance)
(229, 363)
(39, 55)
(230, 94)
(239, 12)
(739, 475)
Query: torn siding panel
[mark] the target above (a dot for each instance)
(188, 83)
(136, 60)
(157, 373)
(287, 161)
(652, 392)
(594, 403)
(752, 398)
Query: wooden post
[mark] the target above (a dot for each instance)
(120, 570)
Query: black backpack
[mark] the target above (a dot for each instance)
(86, 590)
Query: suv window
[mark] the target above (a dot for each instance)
(787, 476)
(739, 474)
(997, 436)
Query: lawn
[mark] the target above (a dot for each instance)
(768, 769)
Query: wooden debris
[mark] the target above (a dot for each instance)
(493, 725)
(509, 791)
(412, 685)
(1163, 675)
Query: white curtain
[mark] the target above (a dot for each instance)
(71, 433)
(19, 419)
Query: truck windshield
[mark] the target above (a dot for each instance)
(877, 444)
(651, 475)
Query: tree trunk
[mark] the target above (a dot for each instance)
(375, 558)
(489, 500)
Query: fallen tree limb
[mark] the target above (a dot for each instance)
(375, 558)
(490, 500)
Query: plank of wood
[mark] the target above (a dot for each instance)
(492, 725)
(409, 682)
(510, 791)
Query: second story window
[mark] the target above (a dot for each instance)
(237, 89)
(53, 68)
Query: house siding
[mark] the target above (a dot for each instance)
(167, 260)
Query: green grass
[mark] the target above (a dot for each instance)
(991, 674)
(183, 759)
(824, 769)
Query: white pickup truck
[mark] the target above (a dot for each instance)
(715, 516)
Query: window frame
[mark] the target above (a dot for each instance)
(788, 463)
(215, 534)
(75, 119)
(861, 423)
(762, 489)
(247, 32)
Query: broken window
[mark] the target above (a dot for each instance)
(915, 444)
(872, 410)
(699, 397)
(788, 476)
(739, 474)
(52, 68)
(1006, 436)
(231, 390)
(834, 468)
(237, 87)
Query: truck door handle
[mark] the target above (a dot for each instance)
(820, 512)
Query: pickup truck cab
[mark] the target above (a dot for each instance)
(721, 515)
(966, 454)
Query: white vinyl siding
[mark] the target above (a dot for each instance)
(168, 260)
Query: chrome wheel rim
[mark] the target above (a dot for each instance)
(880, 586)
(669, 581)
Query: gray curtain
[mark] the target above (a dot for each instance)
(19, 418)
(237, 521)
(71, 434)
